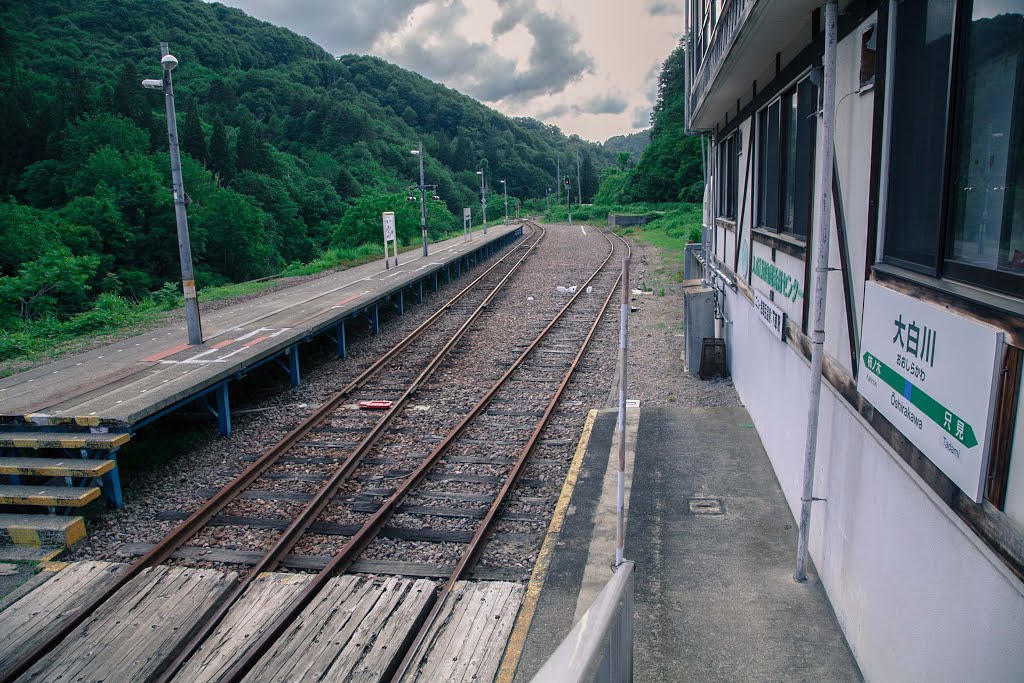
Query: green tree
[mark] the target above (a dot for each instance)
(251, 150)
(221, 159)
(346, 184)
(193, 139)
(238, 241)
(588, 178)
(362, 222)
(92, 132)
(55, 282)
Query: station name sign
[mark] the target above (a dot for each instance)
(771, 315)
(933, 375)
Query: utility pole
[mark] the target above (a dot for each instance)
(504, 187)
(188, 283)
(579, 187)
(558, 177)
(824, 200)
(423, 205)
(568, 198)
(483, 197)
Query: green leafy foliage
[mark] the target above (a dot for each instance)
(288, 154)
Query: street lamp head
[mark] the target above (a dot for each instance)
(153, 84)
(169, 62)
(415, 151)
(502, 182)
(479, 172)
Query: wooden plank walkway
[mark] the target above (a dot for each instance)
(468, 638)
(357, 629)
(123, 383)
(247, 619)
(31, 619)
(352, 631)
(133, 635)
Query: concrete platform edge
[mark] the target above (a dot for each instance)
(517, 640)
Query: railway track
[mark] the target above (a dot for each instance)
(466, 484)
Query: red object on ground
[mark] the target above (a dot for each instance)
(374, 405)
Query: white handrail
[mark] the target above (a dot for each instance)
(600, 646)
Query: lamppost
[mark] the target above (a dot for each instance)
(547, 201)
(181, 201)
(423, 207)
(483, 198)
(504, 187)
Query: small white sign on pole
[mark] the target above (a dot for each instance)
(467, 224)
(389, 237)
(933, 375)
(771, 315)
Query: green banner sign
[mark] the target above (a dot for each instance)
(954, 425)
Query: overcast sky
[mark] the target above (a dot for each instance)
(587, 66)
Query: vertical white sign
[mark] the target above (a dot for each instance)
(770, 314)
(389, 237)
(933, 375)
(467, 223)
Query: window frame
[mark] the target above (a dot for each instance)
(772, 128)
(728, 177)
(946, 267)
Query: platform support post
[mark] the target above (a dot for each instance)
(342, 351)
(401, 302)
(110, 485)
(435, 280)
(458, 268)
(223, 410)
(293, 365)
(375, 320)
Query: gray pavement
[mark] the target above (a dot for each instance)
(715, 597)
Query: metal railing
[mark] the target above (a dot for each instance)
(600, 646)
(729, 22)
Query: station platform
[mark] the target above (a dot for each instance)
(124, 385)
(84, 407)
(714, 546)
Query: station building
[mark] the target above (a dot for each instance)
(918, 538)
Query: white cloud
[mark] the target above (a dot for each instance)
(580, 65)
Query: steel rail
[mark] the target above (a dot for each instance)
(358, 542)
(287, 540)
(163, 550)
(486, 526)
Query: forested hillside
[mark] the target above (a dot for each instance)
(633, 144)
(669, 170)
(287, 151)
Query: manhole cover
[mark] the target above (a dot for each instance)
(706, 506)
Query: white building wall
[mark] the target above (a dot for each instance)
(918, 594)
(919, 597)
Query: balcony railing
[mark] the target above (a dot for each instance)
(732, 17)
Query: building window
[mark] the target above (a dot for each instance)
(728, 174)
(868, 45)
(955, 190)
(786, 131)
